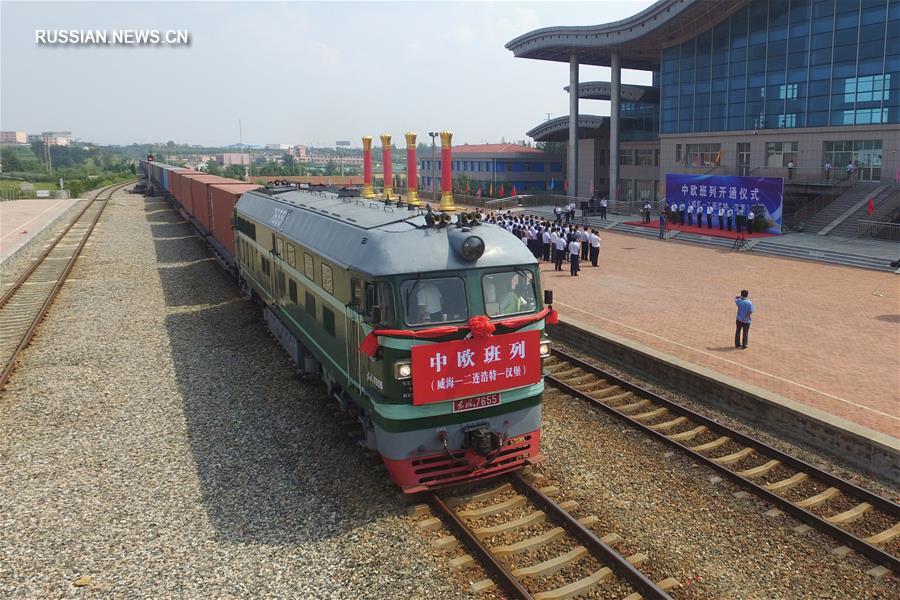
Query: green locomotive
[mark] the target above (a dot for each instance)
(426, 328)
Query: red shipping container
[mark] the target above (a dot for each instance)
(183, 189)
(223, 197)
(200, 197)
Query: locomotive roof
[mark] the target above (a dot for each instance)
(369, 237)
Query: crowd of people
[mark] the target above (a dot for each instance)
(555, 242)
(724, 216)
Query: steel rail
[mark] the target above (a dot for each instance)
(495, 569)
(640, 582)
(870, 551)
(37, 262)
(45, 306)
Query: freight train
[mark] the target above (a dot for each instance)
(427, 328)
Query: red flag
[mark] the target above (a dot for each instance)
(467, 186)
(566, 186)
(479, 191)
(871, 206)
(502, 186)
(513, 192)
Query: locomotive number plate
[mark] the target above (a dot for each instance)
(476, 402)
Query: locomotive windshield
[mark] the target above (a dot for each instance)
(508, 293)
(434, 301)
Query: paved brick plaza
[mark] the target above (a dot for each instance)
(823, 335)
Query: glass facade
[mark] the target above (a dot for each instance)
(780, 64)
(639, 121)
(865, 155)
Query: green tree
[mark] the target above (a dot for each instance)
(11, 161)
(331, 168)
(212, 167)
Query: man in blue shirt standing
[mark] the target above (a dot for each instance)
(742, 322)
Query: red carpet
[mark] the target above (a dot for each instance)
(714, 232)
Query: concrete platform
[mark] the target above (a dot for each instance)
(826, 337)
(22, 220)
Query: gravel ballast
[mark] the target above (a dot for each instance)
(156, 444)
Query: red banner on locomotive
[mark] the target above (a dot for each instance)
(459, 369)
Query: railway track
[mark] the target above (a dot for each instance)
(24, 305)
(859, 519)
(530, 546)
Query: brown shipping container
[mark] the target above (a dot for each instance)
(223, 197)
(200, 197)
(183, 189)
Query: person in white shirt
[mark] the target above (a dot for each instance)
(594, 241)
(709, 211)
(428, 299)
(574, 256)
(545, 238)
(647, 209)
(729, 215)
(690, 215)
(560, 251)
(681, 210)
(557, 212)
(604, 203)
(721, 217)
(750, 217)
(583, 237)
(553, 237)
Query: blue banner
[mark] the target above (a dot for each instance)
(763, 196)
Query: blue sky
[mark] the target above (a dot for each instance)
(293, 72)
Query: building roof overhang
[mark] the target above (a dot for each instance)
(602, 90)
(557, 130)
(638, 39)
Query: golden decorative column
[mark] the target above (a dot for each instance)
(387, 161)
(446, 172)
(412, 173)
(367, 190)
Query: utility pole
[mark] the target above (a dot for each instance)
(48, 154)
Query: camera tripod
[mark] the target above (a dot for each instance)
(740, 243)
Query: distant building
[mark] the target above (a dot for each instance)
(233, 158)
(300, 152)
(53, 138)
(13, 137)
(529, 169)
(278, 146)
(321, 158)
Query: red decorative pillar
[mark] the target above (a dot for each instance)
(367, 190)
(446, 172)
(386, 160)
(412, 174)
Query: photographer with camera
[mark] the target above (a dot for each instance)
(742, 321)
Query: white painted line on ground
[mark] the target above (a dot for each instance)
(19, 227)
(737, 364)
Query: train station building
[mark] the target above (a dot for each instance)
(739, 87)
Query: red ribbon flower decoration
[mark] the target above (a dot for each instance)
(481, 326)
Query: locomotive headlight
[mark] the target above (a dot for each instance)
(472, 248)
(545, 349)
(402, 370)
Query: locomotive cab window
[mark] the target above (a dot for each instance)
(356, 294)
(380, 295)
(509, 293)
(429, 301)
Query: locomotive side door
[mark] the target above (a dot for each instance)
(353, 329)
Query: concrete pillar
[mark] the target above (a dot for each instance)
(572, 158)
(616, 96)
